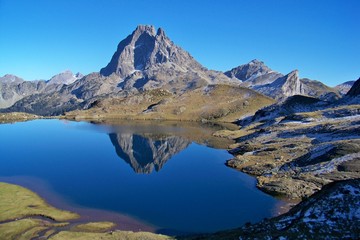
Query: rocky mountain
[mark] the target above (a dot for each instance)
(253, 74)
(9, 78)
(148, 59)
(147, 153)
(144, 61)
(13, 88)
(259, 77)
(283, 87)
(343, 88)
(66, 78)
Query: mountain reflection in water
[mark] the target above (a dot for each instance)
(195, 192)
(148, 147)
(144, 154)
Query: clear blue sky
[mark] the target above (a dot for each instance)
(320, 38)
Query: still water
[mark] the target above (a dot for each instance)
(168, 175)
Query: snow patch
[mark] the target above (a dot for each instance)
(330, 166)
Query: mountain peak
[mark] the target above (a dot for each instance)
(66, 77)
(10, 78)
(249, 71)
(146, 48)
(160, 32)
(292, 84)
(294, 73)
(255, 61)
(150, 29)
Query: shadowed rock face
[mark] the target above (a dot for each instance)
(144, 154)
(355, 89)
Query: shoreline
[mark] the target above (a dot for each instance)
(123, 222)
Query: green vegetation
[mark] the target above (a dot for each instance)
(18, 202)
(94, 227)
(16, 117)
(24, 215)
(123, 235)
(21, 229)
(218, 103)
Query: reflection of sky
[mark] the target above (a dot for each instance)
(193, 192)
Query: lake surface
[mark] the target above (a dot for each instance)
(168, 175)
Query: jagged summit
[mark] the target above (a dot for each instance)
(145, 28)
(144, 48)
(292, 84)
(148, 59)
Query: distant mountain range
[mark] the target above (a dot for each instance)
(13, 88)
(147, 60)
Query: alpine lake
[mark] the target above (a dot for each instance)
(164, 177)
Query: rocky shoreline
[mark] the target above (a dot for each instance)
(289, 160)
(296, 154)
(331, 213)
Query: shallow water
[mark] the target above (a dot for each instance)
(170, 176)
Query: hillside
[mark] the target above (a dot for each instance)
(211, 103)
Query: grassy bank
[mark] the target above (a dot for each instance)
(24, 215)
(17, 117)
